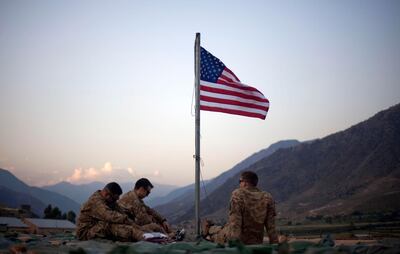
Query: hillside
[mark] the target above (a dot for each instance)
(214, 183)
(13, 199)
(178, 206)
(9, 181)
(173, 195)
(356, 169)
(78, 193)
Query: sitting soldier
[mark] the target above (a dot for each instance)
(101, 217)
(132, 203)
(250, 211)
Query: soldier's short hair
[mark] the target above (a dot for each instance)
(143, 182)
(250, 177)
(114, 188)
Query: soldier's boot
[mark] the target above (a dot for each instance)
(218, 234)
(179, 235)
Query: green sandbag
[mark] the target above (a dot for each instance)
(301, 246)
(262, 248)
(191, 247)
(224, 251)
(142, 247)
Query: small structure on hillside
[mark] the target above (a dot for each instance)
(11, 224)
(49, 226)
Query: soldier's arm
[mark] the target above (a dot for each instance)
(102, 212)
(125, 210)
(159, 219)
(126, 207)
(140, 212)
(270, 222)
(235, 218)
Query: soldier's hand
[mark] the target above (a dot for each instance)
(282, 239)
(129, 222)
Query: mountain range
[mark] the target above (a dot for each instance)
(15, 192)
(14, 199)
(162, 193)
(64, 195)
(357, 169)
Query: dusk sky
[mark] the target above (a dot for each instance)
(102, 90)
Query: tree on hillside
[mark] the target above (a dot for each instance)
(47, 212)
(52, 212)
(71, 216)
(56, 213)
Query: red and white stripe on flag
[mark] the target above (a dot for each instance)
(222, 91)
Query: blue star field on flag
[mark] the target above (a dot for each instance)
(211, 67)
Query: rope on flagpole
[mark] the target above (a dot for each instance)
(191, 106)
(202, 180)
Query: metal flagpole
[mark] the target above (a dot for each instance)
(197, 132)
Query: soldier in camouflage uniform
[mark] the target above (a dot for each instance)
(100, 217)
(132, 203)
(250, 211)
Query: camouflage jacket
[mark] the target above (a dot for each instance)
(95, 210)
(250, 211)
(138, 210)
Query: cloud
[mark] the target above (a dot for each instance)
(50, 182)
(6, 164)
(9, 167)
(107, 167)
(76, 176)
(131, 171)
(107, 173)
(84, 175)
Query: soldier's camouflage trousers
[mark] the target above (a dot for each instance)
(117, 232)
(218, 234)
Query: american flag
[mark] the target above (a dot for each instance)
(222, 91)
